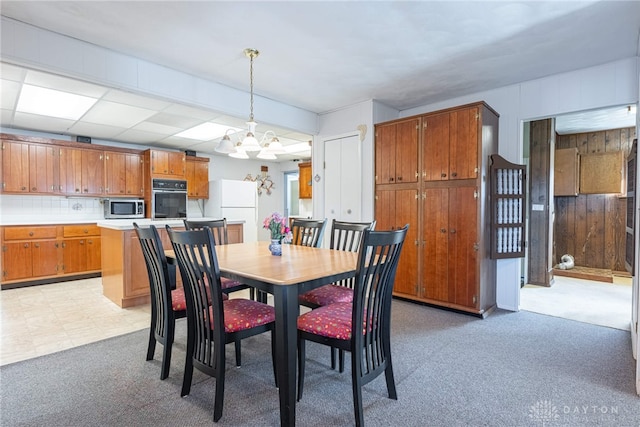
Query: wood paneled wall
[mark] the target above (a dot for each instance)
(591, 227)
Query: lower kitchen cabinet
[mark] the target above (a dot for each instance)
(46, 253)
(125, 280)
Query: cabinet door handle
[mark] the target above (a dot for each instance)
(443, 175)
(399, 178)
(390, 179)
(26, 245)
(37, 245)
(453, 231)
(454, 174)
(31, 233)
(443, 230)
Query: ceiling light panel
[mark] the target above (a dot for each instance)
(205, 132)
(53, 103)
(114, 114)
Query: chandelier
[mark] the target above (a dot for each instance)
(267, 148)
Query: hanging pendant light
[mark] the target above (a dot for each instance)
(250, 143)
(240, 153)
(226, 146)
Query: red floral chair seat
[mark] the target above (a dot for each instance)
(332, 321)
(241, 314)
(227, 283)
(178, 299)
(327, 294)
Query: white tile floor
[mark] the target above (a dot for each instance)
(39, 320)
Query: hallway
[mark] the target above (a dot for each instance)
(598, 303)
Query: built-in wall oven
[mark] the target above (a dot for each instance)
(168, 199)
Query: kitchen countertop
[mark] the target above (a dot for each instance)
(127, 224)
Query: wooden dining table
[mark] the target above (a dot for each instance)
(296, 271)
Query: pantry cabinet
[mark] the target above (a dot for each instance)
(15, 167)
(446, 256)
(41, 253)
(396, 152)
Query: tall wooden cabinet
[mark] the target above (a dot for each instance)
(432, 172)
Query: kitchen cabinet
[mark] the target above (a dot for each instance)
(396, 152)
(81, 172)
(123, 174)
(447, 152)
(15, 167)
(305, 182)
(125, 280)
(394, 209)
(44, 164)
(47, 253)
(197, 177)
(446, 256)
(81, 248)
(165, 164)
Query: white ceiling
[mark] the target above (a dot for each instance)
(322, 56)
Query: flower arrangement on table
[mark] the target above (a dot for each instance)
(278, 228)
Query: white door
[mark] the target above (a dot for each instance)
(343, 181)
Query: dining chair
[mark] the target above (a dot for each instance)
(362, 327)
(211, 327)
(307, 232)
(220, 237)
(167, 302)
(345, 236)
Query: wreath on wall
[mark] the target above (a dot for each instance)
(264, 182)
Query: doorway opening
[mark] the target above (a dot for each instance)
(585, 225)
(291, 194)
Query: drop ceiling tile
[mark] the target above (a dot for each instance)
(181, 122)
(139, 137)
(11, 72)
(6, 117)
(135, 100)
(183, 110)
(95, 130)
(157, 128)
(64, 84)
(10, 90)
(44, 123)
(114, 114)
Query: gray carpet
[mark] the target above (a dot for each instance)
(511, 369)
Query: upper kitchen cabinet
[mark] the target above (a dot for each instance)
(165, 164)
(123, 174)
(15, 167)
(81, 172)
(304, 181)
(397, 152)
(197, 177)
(450, 150)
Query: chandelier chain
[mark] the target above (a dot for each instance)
(251, 86)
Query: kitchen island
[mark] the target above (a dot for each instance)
(124, 274)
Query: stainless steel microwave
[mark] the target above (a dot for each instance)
(123, 208)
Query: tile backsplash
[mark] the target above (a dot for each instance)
(17, 209)
(24, 209)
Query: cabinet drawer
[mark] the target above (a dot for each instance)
(28, 233)
(81, 230)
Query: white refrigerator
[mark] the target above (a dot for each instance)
(234, 200)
